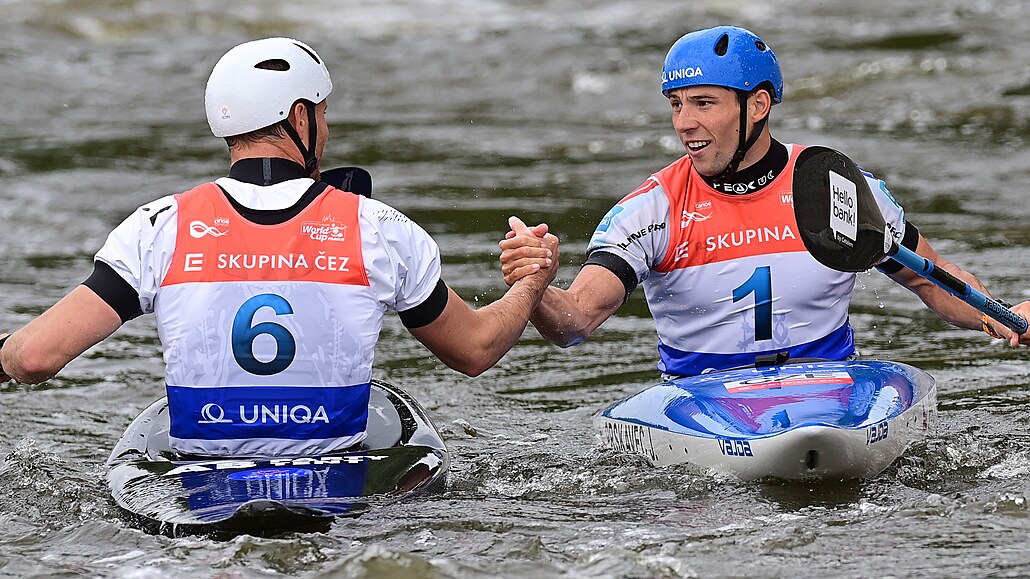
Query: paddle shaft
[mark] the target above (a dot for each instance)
(958, 288)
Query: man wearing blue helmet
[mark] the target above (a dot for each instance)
(705, 58)
(713, 238)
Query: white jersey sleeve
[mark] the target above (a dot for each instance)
(636, 229)
(140, 248)
(893, 213)
(403, 254)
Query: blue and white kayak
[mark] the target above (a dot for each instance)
(818, 420)
(163, 492)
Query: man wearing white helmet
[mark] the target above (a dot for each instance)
(269, 286)
(713, 239)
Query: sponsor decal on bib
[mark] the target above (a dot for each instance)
(199, 229)
(325, 230)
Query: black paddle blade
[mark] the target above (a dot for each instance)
(838, 219)
(353, 179)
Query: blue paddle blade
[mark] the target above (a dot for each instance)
(838, 219)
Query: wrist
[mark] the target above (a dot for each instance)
(2, 340)
(536, 280)
(985, 324)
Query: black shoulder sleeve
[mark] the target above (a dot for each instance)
(620, 267)
(114, 290)
(426, 312)
(911, 240)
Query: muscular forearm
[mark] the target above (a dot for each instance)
(38, 351)
(567, 317)
(946, 306)
(961, 314)
(27, 365)
(560, 319)
(954, 310)
(499, 325)
(471, 341)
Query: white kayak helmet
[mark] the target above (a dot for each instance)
(247, 90)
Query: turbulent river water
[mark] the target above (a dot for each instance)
(467, 111)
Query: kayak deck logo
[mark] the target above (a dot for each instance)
(224, 465)
(785, 380)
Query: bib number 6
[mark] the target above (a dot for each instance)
(245, 332)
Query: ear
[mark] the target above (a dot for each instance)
(298, 114)
(760, 103)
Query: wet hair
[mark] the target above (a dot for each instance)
(266, 134)
(768, 87)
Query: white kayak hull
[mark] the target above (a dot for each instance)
(808, 421)
(163, 492)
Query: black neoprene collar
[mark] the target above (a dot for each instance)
(266, 171)
(756, 176)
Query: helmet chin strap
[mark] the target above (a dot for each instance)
(308, 152)
(744, 145)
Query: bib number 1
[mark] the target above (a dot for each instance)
(245, 332)
(760, 284)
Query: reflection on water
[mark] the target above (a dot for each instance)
(467, 111)
(798, 496)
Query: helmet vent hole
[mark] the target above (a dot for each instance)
(761, 45)
(313, 56)
(722, 45)
(273, 64)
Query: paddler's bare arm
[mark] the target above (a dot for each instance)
(567, 317)
(472, 341)
(944, 305)
(564, 317)
(40, 349)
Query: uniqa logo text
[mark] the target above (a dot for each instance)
(678, 73)
(282, 414)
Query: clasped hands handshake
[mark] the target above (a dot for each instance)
(528, 251)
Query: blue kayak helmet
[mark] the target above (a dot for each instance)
(725, 56)
(732, 58)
